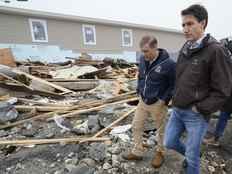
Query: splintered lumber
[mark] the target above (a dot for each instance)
(96, 103)
(25, 108)
(40, 71)
(72, 114)
(48, 94)
(88, 62)
(16, 81)
(78, 86)
(105, 101)
(15, 89)
(38, 117)
(60, 88)
(95, 73)
(40, 103)
(51, 141)
(77, 80)
(90, 104)
(86, 105)
(74, 80)
(109, 127)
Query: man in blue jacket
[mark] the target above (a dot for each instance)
(155, 87)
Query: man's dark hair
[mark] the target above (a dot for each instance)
(150, 40)
(198, 11)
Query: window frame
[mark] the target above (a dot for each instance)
(84, 36)
(131, 37)
(44, 23)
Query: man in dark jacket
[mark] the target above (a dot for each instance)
(203, 83)
(214, 139)
(155, 87)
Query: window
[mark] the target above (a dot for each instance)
(38, 30)
(127, 39)
(89, 34)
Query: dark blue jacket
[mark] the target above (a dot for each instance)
(156, 81)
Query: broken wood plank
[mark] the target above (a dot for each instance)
(74, 113)
(78, 86)
(109, 127)
(82, 105)
(76, 80)
(60, 88)
(16, 81)
(26, 108)
(94, 73)
(41, 116)
(104, 101)
(40, 103)
(51, 141)
(90, 104)
(15, 89)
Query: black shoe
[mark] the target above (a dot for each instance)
(184, 164)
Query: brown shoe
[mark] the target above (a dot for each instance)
(131, 156)
(158, 160)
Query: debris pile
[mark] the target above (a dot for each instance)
(75, 118)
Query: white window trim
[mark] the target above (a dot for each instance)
(131, 36)
(44, 23)
(94, 34)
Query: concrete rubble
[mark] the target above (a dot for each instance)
(65, 131)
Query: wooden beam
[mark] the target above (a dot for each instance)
(78, 86)
(109, 127)
(25, 108)
(72, 114)
(41, 103)
(51, 141)
(120, 97)
(60, 88)
(76, 80)
(90, 104)
(16, 81)
(13, 89)
(83, 105)
(41, 116)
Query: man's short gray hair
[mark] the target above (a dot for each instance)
(150, 40)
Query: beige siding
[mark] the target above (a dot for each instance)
(68, 35)
(14, 29)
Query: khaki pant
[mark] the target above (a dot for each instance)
(158, 112)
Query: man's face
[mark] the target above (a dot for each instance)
(193, 30)
(148, 52)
